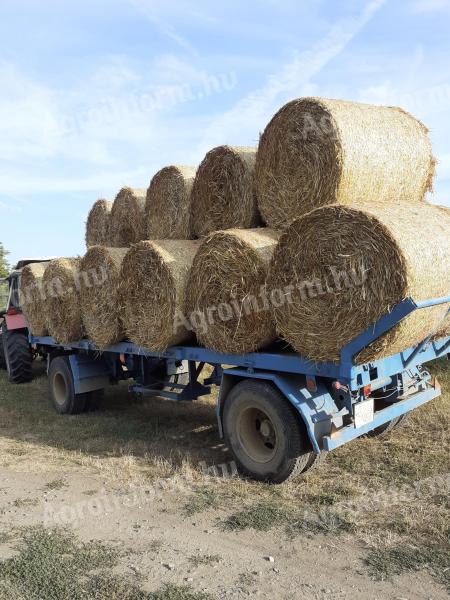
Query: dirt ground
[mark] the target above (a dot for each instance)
(117, 504)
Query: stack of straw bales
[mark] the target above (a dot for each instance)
(340, 187)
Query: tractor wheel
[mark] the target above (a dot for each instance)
(2, 351)
(61, 389)
(18, 357)
(264, 433)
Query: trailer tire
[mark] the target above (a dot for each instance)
(61, 389)
(18, 356)
(265, 435)
(315, 461)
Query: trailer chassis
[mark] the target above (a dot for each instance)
(333, 403)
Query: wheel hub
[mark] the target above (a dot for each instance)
(266, 429)
(257, 435)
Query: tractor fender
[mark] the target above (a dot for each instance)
(16, 321)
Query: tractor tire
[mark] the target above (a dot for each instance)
(264, 433)
(62, 391)
(18, 356)
(2, 350)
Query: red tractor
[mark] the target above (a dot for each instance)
(16, 355)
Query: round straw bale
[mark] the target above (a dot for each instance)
(341, 268)
(99, 294)
(61, 283)
(128, 218)
(227, 305)
(316, 151)
(32, 297)
(223, 194)
(153, 280)
(97, 225)
(168, 204)
(444, 330)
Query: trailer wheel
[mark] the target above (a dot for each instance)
(61, 388)
(265, 435)
(315, 461)
(18, 357)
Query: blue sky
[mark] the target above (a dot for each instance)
(99, 94)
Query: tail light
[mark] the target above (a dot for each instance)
(11, 312)
(311, 384)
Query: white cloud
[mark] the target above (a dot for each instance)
(248, 115)
(431, 6)
(148, 10)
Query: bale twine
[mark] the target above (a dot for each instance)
(32, 297)
(168, 204)
(339, 269)
(97, 225)
(62, 300)
(227, 304)
(153, 280)
(223, 194)
(99, 295)
(128, 218)
(317, 151)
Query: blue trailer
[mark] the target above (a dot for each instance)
(278, 413)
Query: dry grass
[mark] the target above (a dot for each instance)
(62, 300)
(126, 440)
(98, 224)
(53, 562)
(223, 195)
(127, 224)
(99, 294)
(390, 492)
(317, 151)
(168, 204)
(153, 287)
(227, 277)
(347, 266)
(32, 297)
